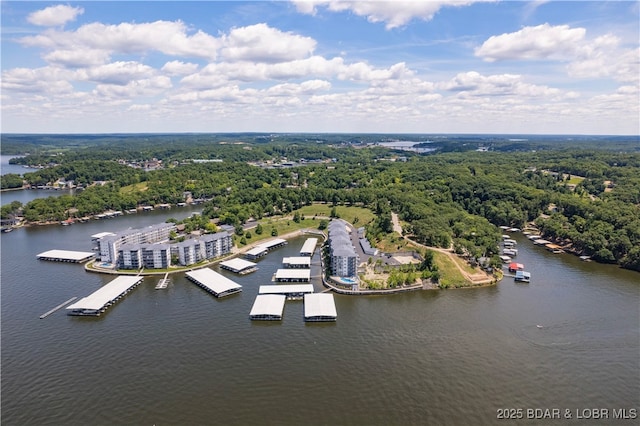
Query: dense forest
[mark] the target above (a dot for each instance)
(584, 191)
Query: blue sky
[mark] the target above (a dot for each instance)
(321, 66)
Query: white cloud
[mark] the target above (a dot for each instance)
(394, 13)
(587, 58)
(217, 74)
(171, 38)
(54, 15)
(46, 80)
(71, 58)
(361, 71)
(305, 88)
(604, 58)
(134, 89)
(540, 42)
(265, 44)
(120, 73)
(474, 84)
(174, 68)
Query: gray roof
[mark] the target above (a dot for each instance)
(214, 237)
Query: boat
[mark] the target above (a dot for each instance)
(510, 252)
(523, 276)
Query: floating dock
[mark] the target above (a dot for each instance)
(97, 302)
(319, 307)
(239, 266)
(163, 283)
(309, 247)
(293, 275)
(66, 256)
(297, 262)
(291, 291)
(213, 282)
(268, 307)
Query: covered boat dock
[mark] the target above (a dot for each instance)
(66, 256)
(291, 291)
(319, 307)
(262, 249)
(268, 307)
(297, 262)
(256, 252)
(309, 247)
(239, 266)
(293, 275)
(105, 296)
(275, 243)
(213, 282)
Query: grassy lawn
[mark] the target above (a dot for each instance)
(136, 187)
(283, 226)
(450, 276)
(348, 213)
(393, 242)
(574, 180)
(465, 265)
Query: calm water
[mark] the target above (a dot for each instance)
(6, 168)
(24, 196)
(181, 357)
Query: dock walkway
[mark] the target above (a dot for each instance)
(60, 306)
(163, 283)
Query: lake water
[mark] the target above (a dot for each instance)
(6, 168)
(406, 146)
(24, 196)
(179, 356)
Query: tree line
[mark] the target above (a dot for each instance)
(447, 198)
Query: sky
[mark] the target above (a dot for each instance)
(331, 66)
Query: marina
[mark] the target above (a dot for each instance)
(239, 266)
(268, 307)
(319, 307)
(596, 331)
(66, 256)
(97, 302)
(213, 282)
(291, 291)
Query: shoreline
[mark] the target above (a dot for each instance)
(90, 267)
